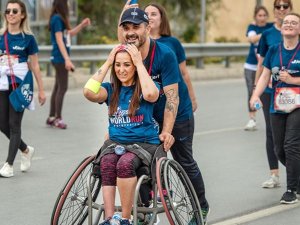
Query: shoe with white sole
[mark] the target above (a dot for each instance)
(7, 170)
(272, 182)
(26, 159)
(251, 125)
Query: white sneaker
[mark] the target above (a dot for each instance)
(26, 159)
(251, 125)
(7, 170)
(272, 182)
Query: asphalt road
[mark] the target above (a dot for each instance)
(233, 162)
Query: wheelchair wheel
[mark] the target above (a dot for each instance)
(71, 204)
(180, 200)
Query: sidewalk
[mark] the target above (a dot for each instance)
(209, 72)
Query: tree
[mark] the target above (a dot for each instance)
(105, 15)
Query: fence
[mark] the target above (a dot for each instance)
(96, 53)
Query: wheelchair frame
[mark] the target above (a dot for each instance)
(180, 198)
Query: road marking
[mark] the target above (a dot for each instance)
(258, 214)
(218, 131)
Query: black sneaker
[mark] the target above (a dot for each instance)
(289, 197)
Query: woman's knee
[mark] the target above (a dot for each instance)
(108, 169)
(127, 166)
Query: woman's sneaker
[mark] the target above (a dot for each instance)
(26, 159)
(251, 125)
(289, 197)
(50, 121)
(125, 222)
(7, 170)
(59, 123)
(106, 222)
(272, 182)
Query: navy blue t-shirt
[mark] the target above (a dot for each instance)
(20, 47)
(165, 71)
(139, 128)
(268, 38)
(251, 58)
(272, 62)
(57, 25)
(174, 44)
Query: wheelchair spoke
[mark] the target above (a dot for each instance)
(71, 208)
(180, 195)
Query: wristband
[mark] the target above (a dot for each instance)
(93, 85)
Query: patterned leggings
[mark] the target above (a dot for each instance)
(113, 166)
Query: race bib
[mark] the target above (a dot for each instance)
(287, 99)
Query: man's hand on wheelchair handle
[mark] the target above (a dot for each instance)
(167, 139)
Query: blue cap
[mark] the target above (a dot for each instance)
(135, 16)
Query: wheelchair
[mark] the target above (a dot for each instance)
(79, 201)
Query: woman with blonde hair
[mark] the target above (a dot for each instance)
(18, 53)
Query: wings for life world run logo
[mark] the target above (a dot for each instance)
(121, 119)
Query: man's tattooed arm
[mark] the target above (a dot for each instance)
(171, 107)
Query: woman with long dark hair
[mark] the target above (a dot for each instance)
(61, 32)
(130, 97)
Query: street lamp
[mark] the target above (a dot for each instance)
(202, 24)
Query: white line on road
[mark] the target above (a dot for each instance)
(218, 131)
(258, 214)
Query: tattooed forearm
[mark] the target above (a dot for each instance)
(99, 71)
(172, 101)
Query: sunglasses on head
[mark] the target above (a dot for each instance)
(284, 6)
(14, 11)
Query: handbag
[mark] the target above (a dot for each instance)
(22, 95)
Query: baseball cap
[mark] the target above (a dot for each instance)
(135, 16)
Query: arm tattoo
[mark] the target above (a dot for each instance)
(99, 72)
(172, 101)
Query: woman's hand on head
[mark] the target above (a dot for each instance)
(135, 54)
(111, 57)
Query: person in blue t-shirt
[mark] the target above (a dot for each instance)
(18, 54)
(183, 130)
(282, 64)
(61, 32)
(130, 97)
(253, 34)
(270, 37)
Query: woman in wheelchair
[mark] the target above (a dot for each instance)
(133, 133)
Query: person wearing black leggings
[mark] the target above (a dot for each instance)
(18, 48)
